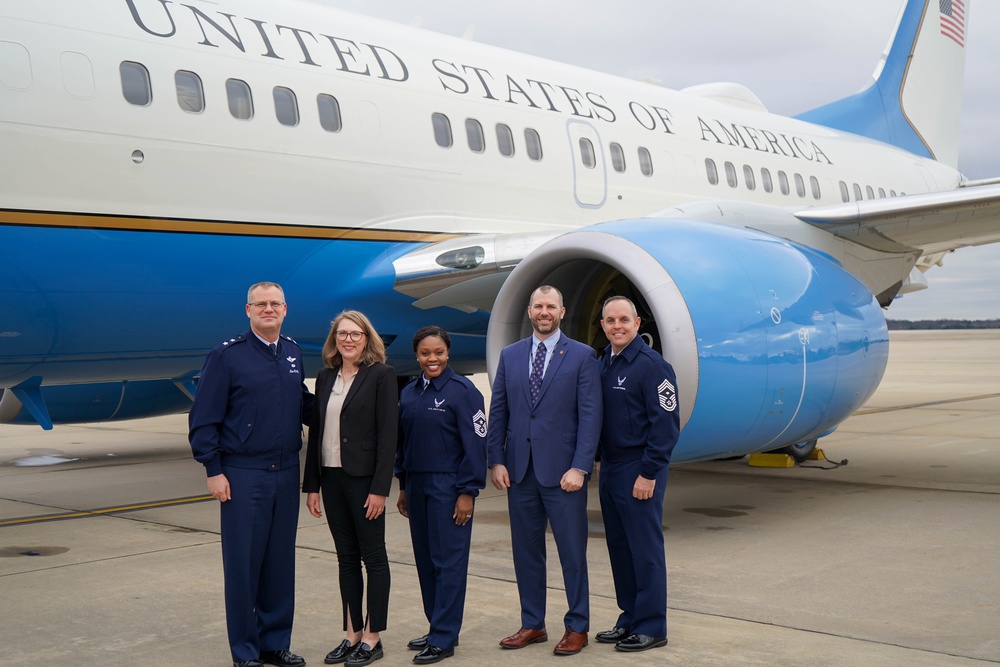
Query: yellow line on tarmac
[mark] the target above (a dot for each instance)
(107, 510)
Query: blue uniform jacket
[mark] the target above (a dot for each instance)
(641, 419)
(443, 429)
(249, 407)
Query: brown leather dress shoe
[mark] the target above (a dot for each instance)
(571, 643)
(523, 637)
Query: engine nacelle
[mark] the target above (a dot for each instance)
(773, 343)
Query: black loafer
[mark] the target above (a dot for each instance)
(432, 654)
(612, 636)
(341, 653)
(636, 642)
(365, 655)
(249, 663)
(284, 658)
(417, 644)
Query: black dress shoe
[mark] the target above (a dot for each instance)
(365, 655)
(249, 663)
(284, 658)
(636, 642)
(432, 654)
(341, 653)
(612, 636)
(419, 643)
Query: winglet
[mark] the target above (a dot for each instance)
(915, 100)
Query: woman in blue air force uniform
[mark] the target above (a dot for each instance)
(441, 466)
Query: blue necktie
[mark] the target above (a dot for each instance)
(273, 348)
(537, 371)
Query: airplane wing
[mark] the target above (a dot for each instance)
(934, 223)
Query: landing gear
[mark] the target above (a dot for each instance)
(800, 452)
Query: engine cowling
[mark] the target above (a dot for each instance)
(773, 343)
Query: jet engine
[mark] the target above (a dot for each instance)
(774, 343)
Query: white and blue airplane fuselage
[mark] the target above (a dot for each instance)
(160, 157)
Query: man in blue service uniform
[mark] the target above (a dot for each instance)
(640, 429)
(545, 421)
(246, 429)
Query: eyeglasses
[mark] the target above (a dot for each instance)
(353, 335)
(262, 305)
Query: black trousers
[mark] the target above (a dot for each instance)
(357, 540)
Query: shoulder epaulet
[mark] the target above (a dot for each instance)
(461, 379)
(288, 338)
(235, 340)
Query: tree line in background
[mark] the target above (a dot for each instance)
(905, 325)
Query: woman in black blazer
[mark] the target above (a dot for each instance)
(352, 446)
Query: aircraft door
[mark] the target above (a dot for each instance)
(590, 176)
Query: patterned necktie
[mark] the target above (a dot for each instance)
(273, 348)
(537, 370)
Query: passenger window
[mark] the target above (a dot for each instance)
(645, 162)
(869, 192)
(892, 193)
(135, 84)
(731, 175)
(240, 100)
(190, 94)
(800, 185)
(442, 130)
(881, 193)
(748, 177)
(857, 192)
(765, 179)
(814, 184)
(587, 153)
(329, 113)
(617, 158)
(286, 107)
(783, 182)
(15, 66)
(845, 194)
(474, 133)
(533, 143)
(712, 171)
(505, 140)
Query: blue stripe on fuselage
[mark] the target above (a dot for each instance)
(84, 305)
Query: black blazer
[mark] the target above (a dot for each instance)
(368, 428)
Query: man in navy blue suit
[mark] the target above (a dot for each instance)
(545, 422)
(641, 426)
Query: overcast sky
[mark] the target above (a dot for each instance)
(794, 54)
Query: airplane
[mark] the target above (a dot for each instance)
(162, 156)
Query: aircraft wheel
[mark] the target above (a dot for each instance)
(800, 452)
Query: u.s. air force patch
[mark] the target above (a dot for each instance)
(668, 395)
(479, 424)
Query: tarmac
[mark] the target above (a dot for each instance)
(109, 545)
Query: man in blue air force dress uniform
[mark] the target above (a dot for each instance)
(545, 421)
(640, 429)
(246, 429)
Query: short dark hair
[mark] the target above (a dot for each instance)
(427, 332)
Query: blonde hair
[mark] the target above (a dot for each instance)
(374, 352)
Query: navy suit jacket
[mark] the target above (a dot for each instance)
(562, 429)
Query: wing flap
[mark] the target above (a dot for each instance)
(933, 223)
